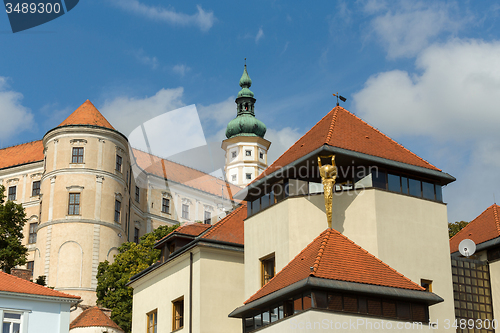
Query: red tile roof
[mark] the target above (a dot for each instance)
(87, 114)
(334, 256)
(13, 284)
(230, 229)
(21, 154)
(483, 228)
(340, 128)
(192, 228)
(184, 175)
(93, 317)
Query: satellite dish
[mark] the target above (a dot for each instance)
(467, 247)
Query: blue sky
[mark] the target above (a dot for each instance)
(425, 73)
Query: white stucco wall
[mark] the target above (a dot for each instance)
(495, 287)
(40, 316)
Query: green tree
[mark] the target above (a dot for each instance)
(132, 258)
(454, 228)
(12, 220)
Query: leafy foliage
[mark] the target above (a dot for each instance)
(454, 228)
(132, 258)
(12, 220)
(41, 280)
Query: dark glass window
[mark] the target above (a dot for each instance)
(335, 302)
(165, 205)
(374, 307)
(439, 193)
(248, 152)
(36, 188)
(350, 304)
(74, 204)
(32, 235)
(233, 154)
(30, 265)
(137, 194)
(261, 155)
(428, 190)
(264, 201)
(178, 322)
(256, 206)
(136, 235)
(268, 269)
(404, 185)
(297, 304)
(404, 311)
(249, 176)
(389, 309)
(394, 183)
(118, 166)
(12, 193)
(415, 189)
(379, 179)
(185, 211)
(77, 156)
(118, 208)
(320, 300)
(307, 301)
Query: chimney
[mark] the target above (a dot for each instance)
(22, 273)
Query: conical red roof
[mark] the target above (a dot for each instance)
(342, 129)
(87, 114)
(334, 256)
(483, 228)
(93, 317)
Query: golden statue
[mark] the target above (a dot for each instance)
(328, 175)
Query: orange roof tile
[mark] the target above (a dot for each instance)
(192, 228)
(87, 114)
(230, 229)
(13, 284)
(21, 154)
(483, 228)
(334, 256)
(93, 317)
(342, 129)
(183, 175)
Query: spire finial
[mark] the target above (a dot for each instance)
(342, 98)
(245, 62)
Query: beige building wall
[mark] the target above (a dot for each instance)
(409, 234)
(495, 287)
(217, 281)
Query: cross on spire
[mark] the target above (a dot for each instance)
(342, 98)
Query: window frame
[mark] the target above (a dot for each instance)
(20, 321)
(76, 157)
(12, 192)
(207, 217)
(248, 176)
(165, 205)
(234, 154)
(248, 152)
(74, 204)
(154, 327)
(118, 211)
(35, 190)
(185, 211)
(136, 235)
(271, 258)
(137, 194)
(178, 320)
(32, 233)
(119, 163)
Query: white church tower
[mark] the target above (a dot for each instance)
(245, 146)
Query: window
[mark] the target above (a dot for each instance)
(233, 178)
(178, 314)
(249, 176)
(32, 235)
(74, 204)
(118, 207)
(268, 269)
(165, 205)
(261, 154)
(77, 156)
(136, 235)
(233, 154)
(30, 265)
(137, 194)
(248, 153)
(208, 217)
(12, 193)
(427, 284)
(185, 211)
(118, 163)
(152, 321)
(11, 322)
(36, 188)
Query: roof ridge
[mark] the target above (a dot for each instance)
(497, 221)
(20, 144)
(321, 250)
(221, 222)
(392, 140)
(376, 258)
(332, 124)
(468, 226)
(38, 286)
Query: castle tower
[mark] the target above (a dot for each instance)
(84, 211)
(245, 146)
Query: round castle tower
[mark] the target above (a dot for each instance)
(85, 205)
(245, 146)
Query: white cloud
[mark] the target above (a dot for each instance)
(126, 113)
(452, 101)
(145, 59)
(202, 19)
(260, 35)
(408, 27)
(281, 140)
(15, 117)
(181, 69)
(218, 113)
